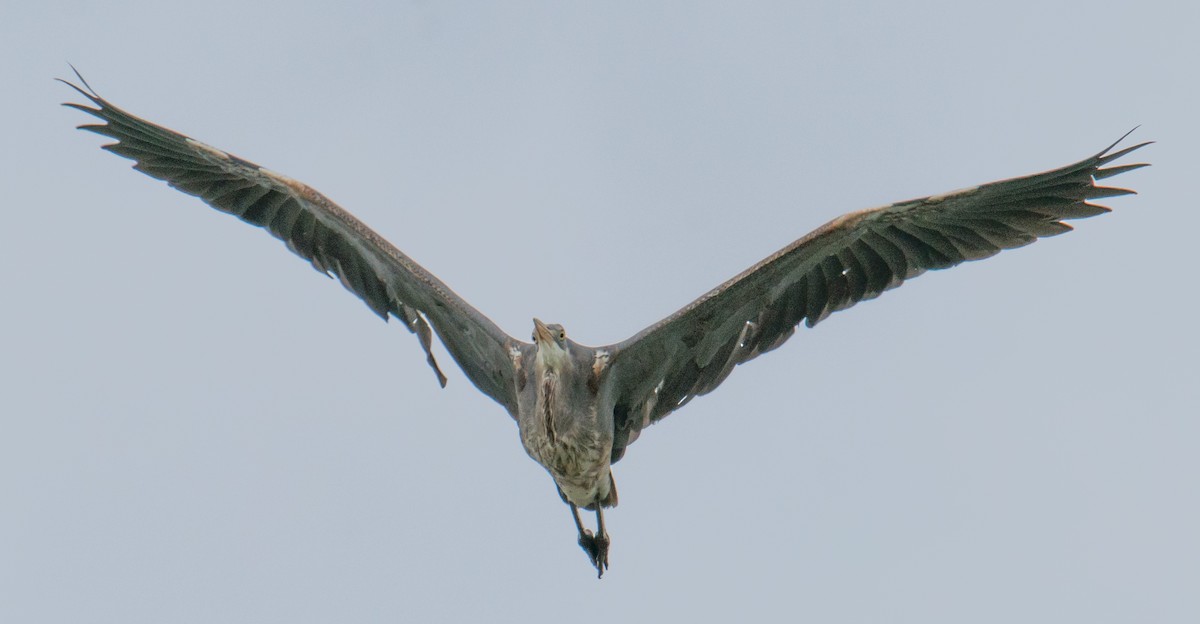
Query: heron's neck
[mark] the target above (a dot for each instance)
(552, 361)
(550, 367)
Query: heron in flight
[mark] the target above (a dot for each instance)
(578, 408)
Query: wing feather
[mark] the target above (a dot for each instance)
(853, 258)
(331, 239)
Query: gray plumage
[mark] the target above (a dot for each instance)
(578, 408)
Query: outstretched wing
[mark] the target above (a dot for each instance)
(850, 259)
(318, 230)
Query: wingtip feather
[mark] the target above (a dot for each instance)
(1098, 192)
(1108, 172)
(86, 90)
(83, 107)
(1106, 157)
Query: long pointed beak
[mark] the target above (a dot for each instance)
(542, 333)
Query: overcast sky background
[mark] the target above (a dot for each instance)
(197, 427)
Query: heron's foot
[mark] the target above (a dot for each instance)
(596, 547)
(600, 560)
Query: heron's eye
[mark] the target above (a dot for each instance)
(562, 335)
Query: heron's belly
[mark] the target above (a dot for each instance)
(579, 465)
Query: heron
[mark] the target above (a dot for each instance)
(577, 407)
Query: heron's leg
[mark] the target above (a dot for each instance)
(579, 524)
(602, 541)
(591, 544)
(587, 541)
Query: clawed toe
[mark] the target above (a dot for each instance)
(588, 543)
(596, 547)
(600, 558)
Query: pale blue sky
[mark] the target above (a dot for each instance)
(199, 428)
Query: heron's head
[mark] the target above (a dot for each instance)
(551, 342)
